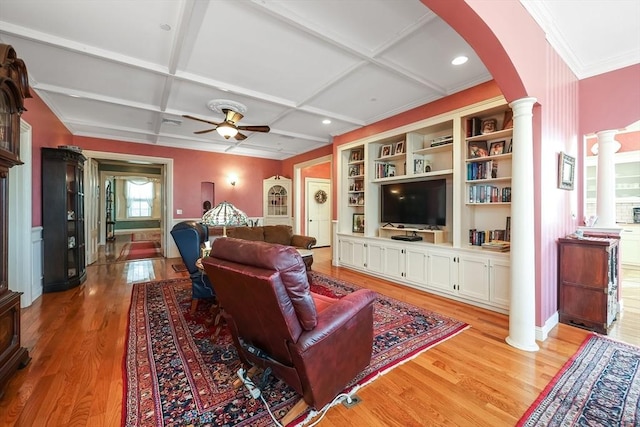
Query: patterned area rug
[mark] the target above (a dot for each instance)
(598, 386)
(140, 250)
(179, 268)
(145, 235)
(175, 375)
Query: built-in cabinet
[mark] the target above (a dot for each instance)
(471, 150)
(63, 219)
(14, 87)
(277, 200)
(479, 278)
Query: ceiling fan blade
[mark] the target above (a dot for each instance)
(200, 120)
(240, 136)
(255, 128)
(199, 132)
(232, 116)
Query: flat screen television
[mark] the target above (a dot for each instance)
(415, 203)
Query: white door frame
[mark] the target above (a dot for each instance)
(167, 212)
(20, 222)
(297, 187)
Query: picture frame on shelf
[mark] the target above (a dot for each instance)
(566, 171)
(358, 223)
(507, 121)
(477, 149)
(489, 126)
(508, 147)
(399, 148)
(497, 148)
(354, 171)
(385, 151)
(355, 156)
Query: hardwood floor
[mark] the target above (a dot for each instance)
(76, 339)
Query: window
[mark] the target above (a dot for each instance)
(139, 198)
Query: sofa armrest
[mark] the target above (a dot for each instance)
(338, 348)
(305, 242)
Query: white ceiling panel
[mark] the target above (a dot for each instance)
(428, 52)
(367, 29)
(76, 72)
(129, 27)
(291, 63)
(371, 93)
(229, 52)
(103, 114)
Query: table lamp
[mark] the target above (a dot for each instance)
(223, 215)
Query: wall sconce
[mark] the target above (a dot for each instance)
(232, 180)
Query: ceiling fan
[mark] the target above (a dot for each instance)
(229, 127)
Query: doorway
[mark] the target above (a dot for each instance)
(165, 179)
(318, 210)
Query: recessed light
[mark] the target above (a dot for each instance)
(326, 121)
(459, 60)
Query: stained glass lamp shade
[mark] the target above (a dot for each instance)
(223, 215)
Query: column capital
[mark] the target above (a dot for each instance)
(523, 105)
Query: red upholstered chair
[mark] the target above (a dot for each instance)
(315, 344)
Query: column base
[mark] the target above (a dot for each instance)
(522, 346)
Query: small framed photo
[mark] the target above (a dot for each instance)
(385, 151)
(355, 156)
(489, 126)
(508, 147)
(358, 223)
(354, 171)
(497, 148)
(566, 171)
(399, 147)
(477, 149)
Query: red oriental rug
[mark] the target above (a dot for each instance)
(175, 375)
(598, 386)
(140, 250)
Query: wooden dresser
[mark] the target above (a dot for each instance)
(588, 279)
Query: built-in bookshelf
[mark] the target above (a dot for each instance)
(466, 258)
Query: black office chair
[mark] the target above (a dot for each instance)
(189, 237)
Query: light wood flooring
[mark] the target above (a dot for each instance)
(76, 339)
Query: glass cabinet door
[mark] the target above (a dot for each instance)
(277, 201)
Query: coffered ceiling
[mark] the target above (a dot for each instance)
(129, 69)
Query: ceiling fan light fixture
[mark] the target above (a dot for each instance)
(226, 130)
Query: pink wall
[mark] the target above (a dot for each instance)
(610, 101)
(47, 131)
(555, 210)
(191, 167)
(629, 141)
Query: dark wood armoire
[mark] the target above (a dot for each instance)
(14, 88)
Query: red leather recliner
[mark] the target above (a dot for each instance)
(315, 344)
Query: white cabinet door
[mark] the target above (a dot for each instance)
(352, 252)
(359, 254)
(375, 257)
(473, 277)
(346, 251)
(440, 269)
(394, 261)
(416, 266)
(499, 283)
(630, 246)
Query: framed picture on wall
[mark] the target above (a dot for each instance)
(358, 223)
(566, 171)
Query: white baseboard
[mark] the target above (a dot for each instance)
(542, 332)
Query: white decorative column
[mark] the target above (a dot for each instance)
(606, 181)
(522, 314)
